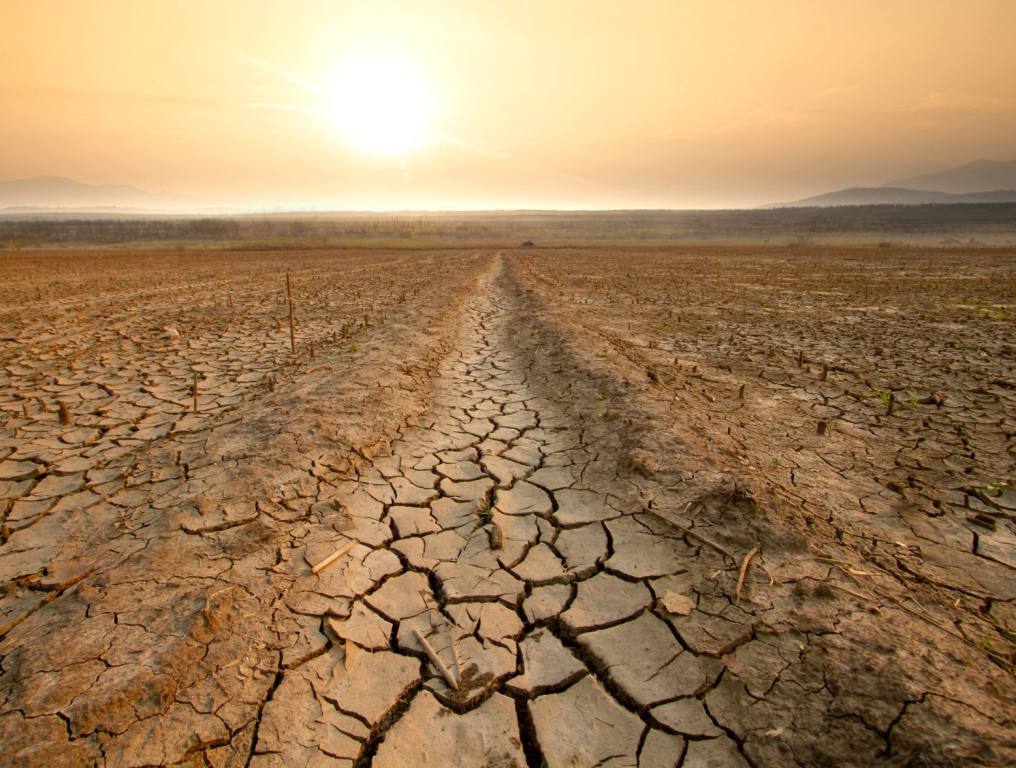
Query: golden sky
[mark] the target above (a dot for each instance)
(502, 104)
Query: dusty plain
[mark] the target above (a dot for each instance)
(699, 506)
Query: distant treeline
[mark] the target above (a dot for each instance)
(206, 229)
(955, 221)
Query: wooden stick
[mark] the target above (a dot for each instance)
(333, 557)
(292, 333)
(445, 672)
(858, 595)
(455, 655)
(703, 540)
(744, 571)
(689, 532)
(349, 650)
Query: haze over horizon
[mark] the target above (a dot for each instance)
(460, 105)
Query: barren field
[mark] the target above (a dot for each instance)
(683, 506)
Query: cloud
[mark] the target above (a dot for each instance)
(273, 69)
(957, 101)
(770, 118)
(272, 106)
(836, 91)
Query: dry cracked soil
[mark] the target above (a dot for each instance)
(481, 516)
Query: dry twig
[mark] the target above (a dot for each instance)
(292, 332)
(744, 571)
(455, 656)
(688, 531)
(349, 649)
(333, 557)
(432, 654)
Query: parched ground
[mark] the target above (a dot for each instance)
(564, 508)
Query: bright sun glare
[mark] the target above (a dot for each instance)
(380, 105)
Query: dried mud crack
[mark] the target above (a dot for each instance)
(511, 592)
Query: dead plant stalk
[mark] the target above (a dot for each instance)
(744, 571)
(292, 333)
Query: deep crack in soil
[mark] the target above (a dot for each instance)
(515, 594)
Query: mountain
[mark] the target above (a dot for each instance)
(58, 192)
(897, 196)
(972, 177)
(868, 196)
(982, 181)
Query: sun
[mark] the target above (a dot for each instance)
(380, 104)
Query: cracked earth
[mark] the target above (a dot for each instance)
(453, 561)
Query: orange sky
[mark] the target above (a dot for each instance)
(543, 104)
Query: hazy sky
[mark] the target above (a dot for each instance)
(503, 104)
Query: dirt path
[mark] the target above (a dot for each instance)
(526, 579)
(510, 598)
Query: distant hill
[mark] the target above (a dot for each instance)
(897, 196)
(868, 196)
(982, 181)
(47, 192)
(972, 177)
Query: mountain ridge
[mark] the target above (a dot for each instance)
(896, 196)
(975, 176)
(65, 192)
(979, 181)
